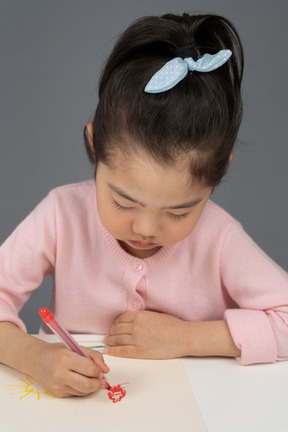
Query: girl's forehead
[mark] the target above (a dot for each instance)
(144, 166)
(140, 159)
(143, 179)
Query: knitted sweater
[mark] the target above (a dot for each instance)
(215, 273)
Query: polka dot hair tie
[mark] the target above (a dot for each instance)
(176, 69)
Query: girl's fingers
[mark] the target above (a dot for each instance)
(97, 359)
(82, 385)
(119, 340)
(120, 329)
(129, 351)
(127, 317)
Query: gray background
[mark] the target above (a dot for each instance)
(51, 55)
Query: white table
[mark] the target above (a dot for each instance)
(234, 398)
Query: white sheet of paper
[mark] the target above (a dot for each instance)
(158, 398)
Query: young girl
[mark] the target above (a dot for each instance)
(140, 254)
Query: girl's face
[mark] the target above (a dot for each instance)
(146, 206)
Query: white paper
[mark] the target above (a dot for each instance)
(158, 398)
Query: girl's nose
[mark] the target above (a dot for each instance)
(146, 226)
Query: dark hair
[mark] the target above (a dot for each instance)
(197, 120)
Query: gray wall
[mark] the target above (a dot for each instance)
(51, 55)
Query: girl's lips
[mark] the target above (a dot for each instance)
(142, 245)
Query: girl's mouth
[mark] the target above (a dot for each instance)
(142, 245)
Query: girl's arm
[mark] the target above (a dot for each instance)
(155, 335)
(60, 371)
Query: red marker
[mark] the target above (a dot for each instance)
(64, 335)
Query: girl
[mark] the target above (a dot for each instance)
(140, 254)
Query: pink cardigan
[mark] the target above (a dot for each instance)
(216, 273)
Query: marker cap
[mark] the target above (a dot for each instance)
(46, 315)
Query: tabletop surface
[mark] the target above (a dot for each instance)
(231, 397)
(238, 398)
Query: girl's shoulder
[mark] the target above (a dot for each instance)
(214, 228)
(74, 193)
(70, 199)
(80, 188)
(214, 210)
(215, 219)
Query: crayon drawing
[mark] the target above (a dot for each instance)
(28, 388)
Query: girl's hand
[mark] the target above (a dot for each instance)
(146, 334)
(64, 373)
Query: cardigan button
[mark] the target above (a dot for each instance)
(136, 304)
(138, 266)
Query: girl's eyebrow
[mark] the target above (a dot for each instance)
(123, 194)
(184, 205)
(187, 204)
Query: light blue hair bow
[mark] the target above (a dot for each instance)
(175, 70)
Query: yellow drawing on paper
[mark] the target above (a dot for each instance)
(28, 388)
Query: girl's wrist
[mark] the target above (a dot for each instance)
(208, 338)
(20, 348)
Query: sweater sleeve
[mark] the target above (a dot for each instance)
(259, 287)
(26, 257)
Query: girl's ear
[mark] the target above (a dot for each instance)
(231, 157)
(88, 133)
(89, 128)
(88, 141)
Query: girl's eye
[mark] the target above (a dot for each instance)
(120, 207)
(179, 217)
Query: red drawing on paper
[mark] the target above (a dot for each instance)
(117, 393)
